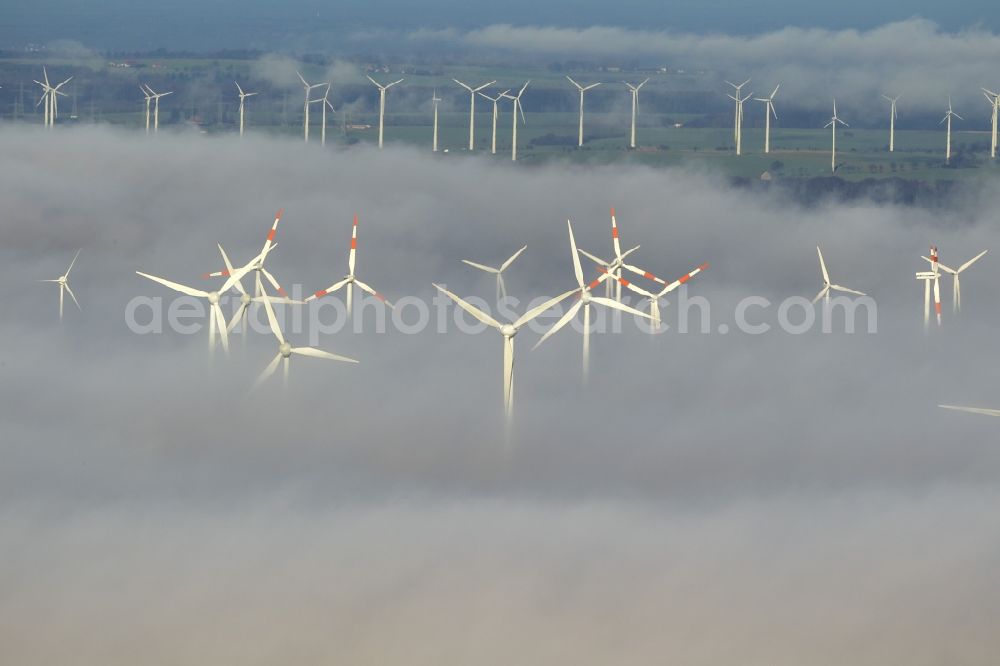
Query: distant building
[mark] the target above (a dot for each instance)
(766, 176)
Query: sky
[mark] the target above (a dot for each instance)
(708, 498)
(267, 25)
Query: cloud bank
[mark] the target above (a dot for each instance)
(772, 499)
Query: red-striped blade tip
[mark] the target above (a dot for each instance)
(355, 219)
(281, 211)
(283, 293)
(320, 294)
(612, 212)
(206, 276)
(703, 267)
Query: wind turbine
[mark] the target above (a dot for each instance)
(156, 106)
(435, 100)
(305, 107)
(381, 104)
(827, 285)
(149, 99)
(285, 350)
(582, 90)
(635, 106)
(63, 282)
(654, 299)
(833, 125)
(217, 320)
(501, 288)
(994, 100)
(516, 110)
(508, 331)
(245, 298)
(612, 267)
(324, 103)
(956, 285)
(928, 277)
(586, 298)
(768, 112)
(472, 109)
(947, 118)
(50, 96)
(892, 121)
(738, 114)
(350, 279)
(243, 96)
(496, 114)
(257, 263)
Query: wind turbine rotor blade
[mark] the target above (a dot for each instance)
(822, 266)
(78, 254)
(611, 303)
(837, 287)
(175, 286)
(577, 270)
(596, 260)
(960, 268)
(272, 280)
(972, 410)
(229, 269)
(268, 371)
(823, 292)
(513, 257)
(471, 309)
(221, 326)
(319, 353)
(272, 320)
(539, 309)
(574, 82)
(352, 255)
(329, 290)
(238, 316)
(508, 374)
(374, 294)
(488, 269)
(644, 273)
(73, 296)
(562, 322)
(301, 79)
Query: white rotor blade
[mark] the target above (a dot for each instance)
(960, 268)
(268, 371)
(220, 323)
(577, 270)
(514, 256)
(175, 286)
(596, 260)
(78, 254)
(972, 410)
(319, 353)
(229, 269)
(611, 303)
(821, 294)
(71, 295)
(837, 287)
(272, 320)
(537, 310)
(822, 266)
(365, 287)
(488, 269)
(562, 322)
(471, 309)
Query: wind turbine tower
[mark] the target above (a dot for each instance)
(947, 119)
(635, 106)
(892, 122)
(833, 126)
(994, 100)
(472, 109)
(381, 105)
(517, 109)
(435, 100)
(582, 90)
(305, 107)
(738, 114)
(768, 112)
(496, 114)
(243, 96)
